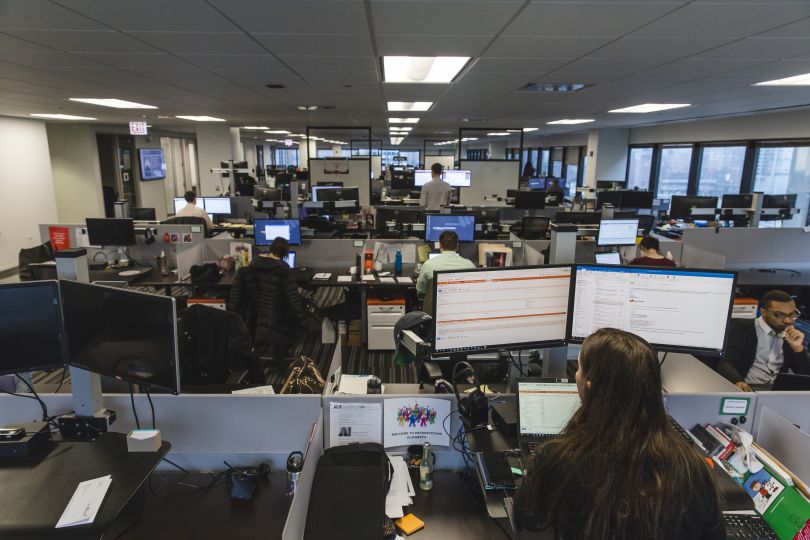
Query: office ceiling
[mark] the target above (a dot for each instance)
(215, 57)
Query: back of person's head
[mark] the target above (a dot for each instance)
(554, 182)
(436, 169)
(280, 247)
(619, 470)
(448, 240)
(650, 242)
(190, 196)
(775, 296)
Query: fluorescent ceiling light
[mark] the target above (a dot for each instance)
(255, 127)
(276, 131)
(419, 106)
(397, 140)
(114, 103)
(798, 80)
(201, 118)
(650, 107)
(62, 116)
(422, 69)
(400, 128)
(527, 130)
(409, 120)
(308, 107)
(498, 133)
(466, 139)
(571, 121)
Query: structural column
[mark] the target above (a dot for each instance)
(606, 157)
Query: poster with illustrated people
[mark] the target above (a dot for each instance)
(408, 421)
(763, 489)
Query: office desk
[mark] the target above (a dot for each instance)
(34, 496)
(211, 513)
(155, 279)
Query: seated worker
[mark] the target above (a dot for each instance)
(192, 210)
(245, 184)
(435, 193)
(448, 259)
(554, 187)
(759, 349)
(650, 255)
(619, 469)
(267, 298)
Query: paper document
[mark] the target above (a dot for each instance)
(415, 420)
(401, 489)
(369, 277)
(85, 502)
(345, 279)
(387, 280)
(259, 391)
(404, 280)
(354, 422)
(353, 384)
(322, 275)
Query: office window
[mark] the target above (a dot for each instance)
(782, 170)
(638, 171)
(673, 172)
(286, 157)
(543, 167)
(720, 170)
(412, 155)
(477, 153)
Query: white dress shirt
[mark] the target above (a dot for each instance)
(192, 210)
(770, 355)
(435, 194)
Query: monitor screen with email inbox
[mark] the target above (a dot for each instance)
(617, 232)
(545, 407)
(673, 309)
(266, 230)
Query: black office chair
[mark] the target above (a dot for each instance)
(188, 220)
(645, 223)
(535, 227)
(28, 256)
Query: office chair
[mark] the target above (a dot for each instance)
(646, 223)
(27, 256)
(535, 228)
(188, 220)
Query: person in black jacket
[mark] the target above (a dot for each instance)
(759, 349)
(266, 296)
(619, 470)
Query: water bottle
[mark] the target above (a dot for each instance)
(426, 468)
(295, 463)
(398, 263)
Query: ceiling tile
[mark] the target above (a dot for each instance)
(106, 41)
(316, 44)
(235, 61)
(421, 45)
(154, 15)
(445, 18)
(143, 61)
(545, 47)
(530, 67)
(334, 63)
(297, 16)
(761, 49)
(201, 43)
(42, 14)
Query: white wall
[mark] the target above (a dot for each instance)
(27, 196)
(213, 146)
(606, 155)
(562, 139)
(76, 172)
(489, 179)
(446, 161)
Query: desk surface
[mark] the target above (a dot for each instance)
(33, 497)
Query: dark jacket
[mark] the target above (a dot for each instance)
(267, 298)
(742, 350)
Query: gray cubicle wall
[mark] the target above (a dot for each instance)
(794, 406)
(746, 247)
(702, 408)
(297, 516)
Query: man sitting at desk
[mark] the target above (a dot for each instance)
(448, 259)
(435, 193)
(191, 210)
(759, 349)
(650, 255)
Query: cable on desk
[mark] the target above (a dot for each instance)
(151, 406)
(514, 363)
(36, 396)
(172, 463)
(61, 381)
(134, 410)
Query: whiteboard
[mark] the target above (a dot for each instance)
(446, 161)
(490, 179)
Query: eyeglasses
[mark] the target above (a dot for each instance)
(779, 316)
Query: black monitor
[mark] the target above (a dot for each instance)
(737, 200)
(400, 215)
(283, 179)
(779, 201)
(608, 184)
(680, 206)
(350, 194)
(637, 199)
(512, 193)
(152, 165)
(578, 218)
(110, 231)
(492, 309)
(31, 333)
(329, 184)
(610, 197)
(400, 181)
(462, 225)
(142, 214)
(266, 194)
(266, 230)
(325, 193)
(530, 200)
(121, 333)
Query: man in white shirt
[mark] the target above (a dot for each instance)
(758, 350)
(191, 210)
(448, 259)
(435, 193)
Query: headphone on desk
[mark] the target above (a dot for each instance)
(473, 405)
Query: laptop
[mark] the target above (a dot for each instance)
(290, 259)
(544, 408)
(608, 257)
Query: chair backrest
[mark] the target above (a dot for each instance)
(535, 227)
(187, 220)
(645, 223)
(27, 256)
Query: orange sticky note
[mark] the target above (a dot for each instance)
(409, 524)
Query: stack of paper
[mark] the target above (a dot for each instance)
(404, 280)
(401, 490)
(345, 279)
(83, 506)
(353, 384)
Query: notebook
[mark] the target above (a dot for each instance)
(544, 408)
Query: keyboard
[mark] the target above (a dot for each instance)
(747, 526)
(528, 447)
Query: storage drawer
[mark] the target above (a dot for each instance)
(381, 338)
(374, 309)
(386, 319)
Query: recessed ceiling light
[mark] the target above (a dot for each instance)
(307, 107)
(650, 107)
(397, 140)
(797, 80)
(571, 121)
(527, 130)
(419, 106)
(410, 120)
(422, 69)
(62, 116)
(400, 128)
(466, 139)
(201, 118)
(255, 127)
(114, 103)
(552, 87)
(498, 133)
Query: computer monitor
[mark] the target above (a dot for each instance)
(611, 197)
(537, 183)
(31, 333)
(457, 177)
(267, 193)
(350, 194)
(608, 184)
(617, 232)
(421, 177)
(290, 259)
(737, 201)
(608, 257)
(673, 309)
(401, 182)
(266, 230)
(500, 308)
(433, 255)
(578, 218)
(180, 203)
(152, 164)
(680, 206)
(325, 193)
(779, 201)
(329, 184)
(121, 333)
(142, 214)
(561, 182)
(462, 224)
(637, 199)
(217, 205)
(110, 231)
(530, 200)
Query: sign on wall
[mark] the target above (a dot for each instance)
(137, 128)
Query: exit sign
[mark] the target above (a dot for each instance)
(137, 128)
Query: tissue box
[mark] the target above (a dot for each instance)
(143, 440)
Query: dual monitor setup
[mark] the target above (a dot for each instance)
(681, 206)
(454, 177)
(128, 335)
(486, 310)
(212, 205)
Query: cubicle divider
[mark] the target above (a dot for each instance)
(297, 516)
(702, 408)
(794, 406)
(747, 247)
(468, 250)
(783, 440)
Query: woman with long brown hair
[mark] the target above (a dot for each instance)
(619, 470)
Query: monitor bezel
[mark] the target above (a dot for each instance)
(571, 339)
(502, 346)
(256, 221)
(460, 241)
